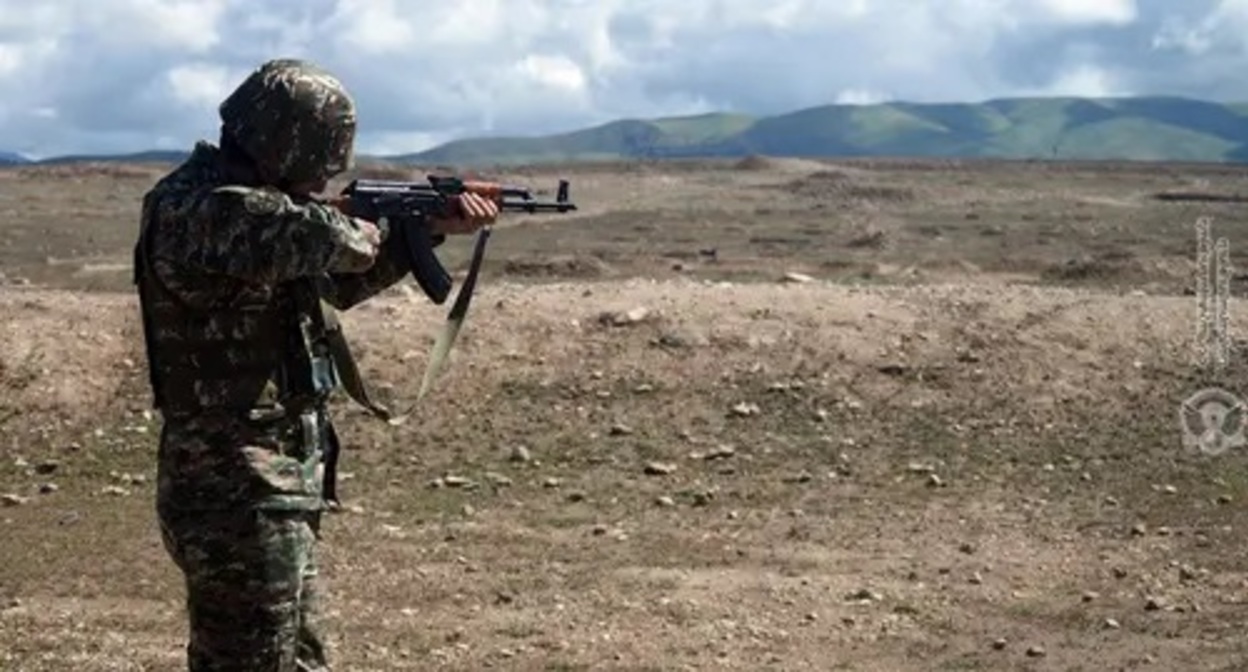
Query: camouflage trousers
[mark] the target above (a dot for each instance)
(251, 588)
(239, 504)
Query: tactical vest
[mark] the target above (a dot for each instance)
(265, 350)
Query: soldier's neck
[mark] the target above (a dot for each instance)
(236, 166)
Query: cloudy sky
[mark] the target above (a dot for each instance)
(127, 75)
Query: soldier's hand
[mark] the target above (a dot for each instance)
(370, 230)
(472, 213)
(360, 250)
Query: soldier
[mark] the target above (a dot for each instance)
(235, 258)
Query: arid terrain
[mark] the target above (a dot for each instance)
(764, 414)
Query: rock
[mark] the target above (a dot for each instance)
(520, 453)
(48, 488)
(796, 278)
(1036, 652)
(745, 409)
(47, 467)
(393, 530)
(680, 340)
(665, 501)
(497, 479)
(659, 468)
(864, 595)
(721, 452)
(11, 499)
(623, 319)
(620, 429)
(456, 481)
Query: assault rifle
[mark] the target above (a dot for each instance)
(404, 208)
(405, 205)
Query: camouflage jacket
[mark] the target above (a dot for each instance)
(230, 276)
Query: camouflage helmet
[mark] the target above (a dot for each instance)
(293, 119)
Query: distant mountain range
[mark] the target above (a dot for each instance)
(1138, 128)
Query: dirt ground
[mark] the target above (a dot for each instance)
(739, 415)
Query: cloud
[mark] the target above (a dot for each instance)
(200, 85)
(126, 75)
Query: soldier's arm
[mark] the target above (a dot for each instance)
(344, 290)
(262, 236)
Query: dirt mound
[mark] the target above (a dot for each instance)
(557, 266)
(761, 163)
(87, 170)
(755, 162)
(47, 354)
(843, 186)
(1106, 266)
(63, 355)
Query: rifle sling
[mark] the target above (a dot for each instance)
(344, 362)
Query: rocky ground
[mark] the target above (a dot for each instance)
(746, 415)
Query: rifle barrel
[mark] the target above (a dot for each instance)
(536, 206)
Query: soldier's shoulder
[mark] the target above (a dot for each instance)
(250, 201)
(197, 172)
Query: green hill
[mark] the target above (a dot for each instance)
(1144, 128)
(1155, 128)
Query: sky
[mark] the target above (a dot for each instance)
(108, 76)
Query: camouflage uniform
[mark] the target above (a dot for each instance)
(233, 276)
